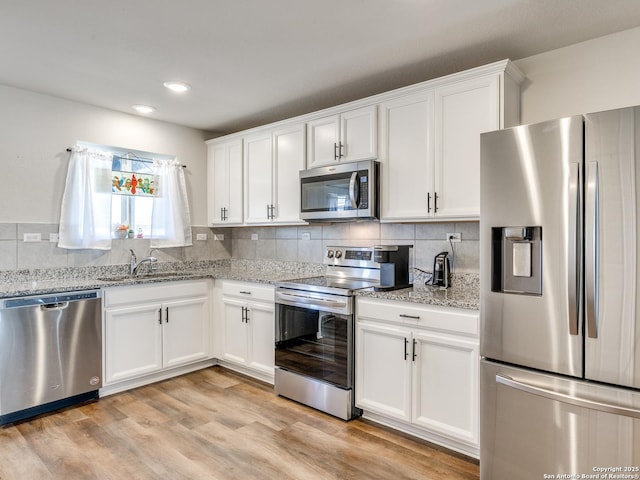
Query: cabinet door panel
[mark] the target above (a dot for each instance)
(359, 134)
(133, 342)
(463, 112)
(446, 393)
(217, 182)
(235, 332)
(407, 157)
(224, 183)
(234, 167)
(289, 159)
(258, 180)
(383, 376)
(262, 337)
(186, 331)
(322, 136)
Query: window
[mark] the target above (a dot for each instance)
(134, 212)
(138, 191)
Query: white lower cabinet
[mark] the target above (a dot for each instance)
(417, 369)
(246, 327)
(154, 327)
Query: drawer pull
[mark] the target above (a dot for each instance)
(414, 317)
(244, 292)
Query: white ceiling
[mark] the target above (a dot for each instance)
(251, 62)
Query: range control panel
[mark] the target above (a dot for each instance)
(349, 256)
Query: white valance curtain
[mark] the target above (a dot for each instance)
(170, 220)
(85, 218)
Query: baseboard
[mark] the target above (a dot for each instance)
(155, 377)
(472, 451)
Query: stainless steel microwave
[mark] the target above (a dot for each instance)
(347, 191)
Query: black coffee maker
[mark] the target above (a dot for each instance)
(394, 266)
(441, 271)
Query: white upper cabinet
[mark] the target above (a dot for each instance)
(346, 137)
(224, 183)
(463, 111)
(323, 137)
(407, 157)
(289, 159)
(272, 161)
(427, 140)
(258, 179)
(430, 142)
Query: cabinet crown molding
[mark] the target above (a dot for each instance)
(505, 66)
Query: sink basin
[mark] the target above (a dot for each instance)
(144, 276)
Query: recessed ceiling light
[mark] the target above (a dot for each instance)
(177, 86)
(143, 108)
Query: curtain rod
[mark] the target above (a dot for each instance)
(137, 158)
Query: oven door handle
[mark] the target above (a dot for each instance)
(310, 301)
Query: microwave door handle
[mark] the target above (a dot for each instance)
(354, 190)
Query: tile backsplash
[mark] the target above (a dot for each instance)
(285, 243)
(308, 243)
(16, 254)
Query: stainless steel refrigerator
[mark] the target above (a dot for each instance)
(560, 299)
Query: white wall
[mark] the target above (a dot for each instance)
(592, 76)
(35, 131)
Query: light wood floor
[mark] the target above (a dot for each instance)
(214, 424)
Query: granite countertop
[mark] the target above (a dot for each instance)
(457, 297)
(464, 293)
(46, 281)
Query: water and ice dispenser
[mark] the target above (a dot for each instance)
(516, 260)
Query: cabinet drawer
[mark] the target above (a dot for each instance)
(154, 293)
(446, 319)
(248, 291)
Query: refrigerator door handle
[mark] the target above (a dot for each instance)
(591, 249)
(572, 258)
(564, 398)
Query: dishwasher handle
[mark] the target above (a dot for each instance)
(54, 306)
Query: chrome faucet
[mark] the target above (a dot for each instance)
(134, 265)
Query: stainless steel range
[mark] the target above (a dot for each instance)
(315, 330)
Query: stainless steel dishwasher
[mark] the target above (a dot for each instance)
(50, 353)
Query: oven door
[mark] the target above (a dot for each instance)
(315, 342)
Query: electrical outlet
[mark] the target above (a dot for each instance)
(306, 236)
(454, 237)
(53, 237)
(218, 236)
(201, 236)
(254, 236)
(32, 237)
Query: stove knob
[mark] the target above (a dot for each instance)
(338, 253)
(330, 253)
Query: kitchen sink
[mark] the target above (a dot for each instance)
(144, 276)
